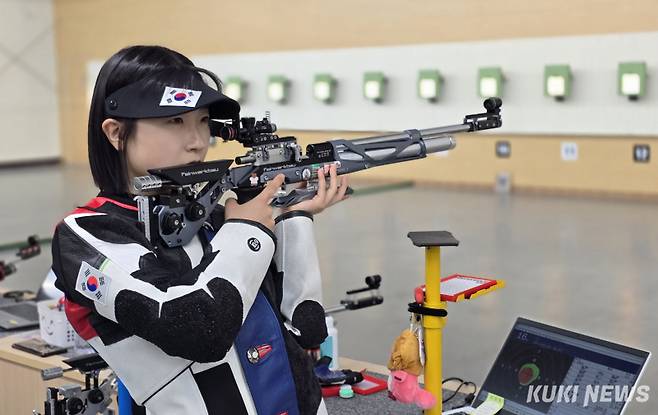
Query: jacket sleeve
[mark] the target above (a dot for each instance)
(106, 264)
(296, 258)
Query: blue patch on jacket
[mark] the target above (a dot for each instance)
(262, 351)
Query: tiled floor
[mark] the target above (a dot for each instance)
(584, 264)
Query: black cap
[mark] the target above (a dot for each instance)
(169, 93)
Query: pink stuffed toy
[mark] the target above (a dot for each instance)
(404, 387)
(405, 368)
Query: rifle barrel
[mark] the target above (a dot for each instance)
(424, 134)
(449, 129)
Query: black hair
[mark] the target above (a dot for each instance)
(158, 65)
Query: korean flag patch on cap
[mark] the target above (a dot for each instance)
(179, 97)
(92, 283)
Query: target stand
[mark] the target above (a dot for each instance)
(432, 304)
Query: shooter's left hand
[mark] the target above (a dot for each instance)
(326, 196)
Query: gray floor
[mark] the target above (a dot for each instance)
(584, 264)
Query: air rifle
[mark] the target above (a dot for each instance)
(174, 202)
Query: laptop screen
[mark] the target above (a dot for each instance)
(546, 370)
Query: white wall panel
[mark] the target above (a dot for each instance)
(28, 101)
(593, 109)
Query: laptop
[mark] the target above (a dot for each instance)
(538, 359)
(19, 315)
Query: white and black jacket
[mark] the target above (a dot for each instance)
(217, 326)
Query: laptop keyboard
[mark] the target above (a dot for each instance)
(28, 311)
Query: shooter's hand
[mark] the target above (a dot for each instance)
(326, 196)
(257, 209)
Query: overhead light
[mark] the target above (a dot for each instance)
(234, 88)
(374, 86)
(632, 79)
(490, 82)
(324, 87)
(277, 89)
(429, 84)
(557, 81)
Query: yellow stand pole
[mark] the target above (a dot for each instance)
(433, 324)
(432, 328)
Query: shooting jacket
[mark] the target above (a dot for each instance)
(217, 326)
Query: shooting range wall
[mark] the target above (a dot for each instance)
(28, 95)
(603, 126)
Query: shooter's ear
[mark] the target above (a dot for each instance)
(112, 130)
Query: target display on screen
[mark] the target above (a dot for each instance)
(523, 363)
